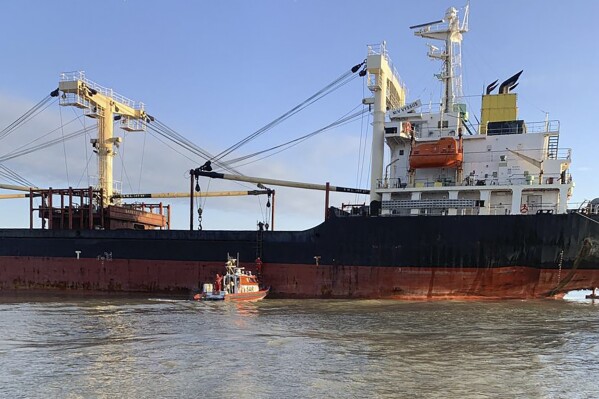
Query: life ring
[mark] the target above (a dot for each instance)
(524, 208)
(406, 127)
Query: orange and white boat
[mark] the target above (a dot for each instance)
(236, 284)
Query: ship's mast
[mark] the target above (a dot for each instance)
(104, 105)
(449, 31)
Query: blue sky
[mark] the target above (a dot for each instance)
(217, 71)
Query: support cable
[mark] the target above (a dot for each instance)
(14, 176)
(289, 144)
(331, 87)
(64, 146)
(26, 117)
(25, 151)
(171, 135)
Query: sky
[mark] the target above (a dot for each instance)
(217, 71)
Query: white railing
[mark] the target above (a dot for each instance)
(469, 181)
(80, 75)
(381, 49)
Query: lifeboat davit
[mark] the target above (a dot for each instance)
(446, 152)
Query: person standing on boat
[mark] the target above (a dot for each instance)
(218, 282)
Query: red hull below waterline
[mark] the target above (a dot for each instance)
(293, 280)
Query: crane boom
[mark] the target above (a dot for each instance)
(158, 195)
(197, 194)
(284, 183)
(15, 188)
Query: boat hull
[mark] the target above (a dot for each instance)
(293, 280)
(238, 297)
(404, 258)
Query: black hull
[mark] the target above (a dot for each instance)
(452, 244)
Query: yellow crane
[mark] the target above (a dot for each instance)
(106, 106)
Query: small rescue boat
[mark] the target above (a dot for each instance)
(236, 284)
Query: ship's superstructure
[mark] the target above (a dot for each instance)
(442, 165)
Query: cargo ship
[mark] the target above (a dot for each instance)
(457, 211)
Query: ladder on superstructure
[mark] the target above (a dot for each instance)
(552, 147)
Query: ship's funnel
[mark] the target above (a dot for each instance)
(509, 83)
(492, 86)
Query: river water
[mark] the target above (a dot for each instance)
(74, 347)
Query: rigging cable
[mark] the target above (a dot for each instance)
(85, 170)
(64, 146)
(27, 116)
(360, 152)
(141, 167)
(123, 170)
(168, 133)
(85, 142)
(25, 151)
(39, 138)
(340, 81)
(14, 176)
(339, 122)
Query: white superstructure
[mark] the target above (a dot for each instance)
(442, 165)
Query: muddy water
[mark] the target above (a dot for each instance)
(72, 347)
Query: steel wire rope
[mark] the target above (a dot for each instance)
(280, 118)
(321, 130)
(181, 141)
(123, 170)
(166, 144)
(189, 158)
(299, 140)
(39, 111)
(64, 147)
(339, 121)
(84, 170)
(85, 142)
(40, 137)
(122, 157)
(14, 176)
(360, 152)
(331, 87)
(141, 167)
(365, 141)
(42, 146)
(166, 136)
(23, 118)
(176, 140)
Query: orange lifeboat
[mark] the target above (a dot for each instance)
(446, 152)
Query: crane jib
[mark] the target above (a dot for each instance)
(352, 190)
(285, 183)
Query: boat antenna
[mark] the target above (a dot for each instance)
(449, 31)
